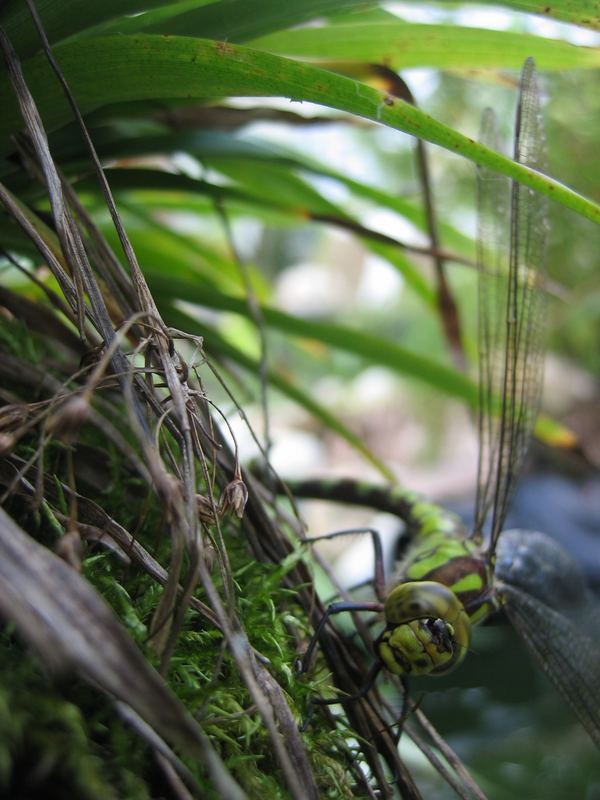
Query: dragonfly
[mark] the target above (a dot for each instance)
(448, 579)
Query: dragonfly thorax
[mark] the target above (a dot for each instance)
(428, 630)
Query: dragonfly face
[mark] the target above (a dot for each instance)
(428, 630)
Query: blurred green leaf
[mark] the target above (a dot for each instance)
(130, 68)
(579, 12)
(272, 188)
(235, 20)
(62, 18)
(373, 349)
(400, 45)
(218, 346)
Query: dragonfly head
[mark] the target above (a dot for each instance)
(428, 630)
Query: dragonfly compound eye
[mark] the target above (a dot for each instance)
(428, 630)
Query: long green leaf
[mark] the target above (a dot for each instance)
(130, 68)
(218, 345)
(241, 20)
(300, 203)
(217, 149)
(374, 349)
(62, 18)
(580, 12)
(214, 149)
(400, 45)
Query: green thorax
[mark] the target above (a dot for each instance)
(439, 550)
(438, 545)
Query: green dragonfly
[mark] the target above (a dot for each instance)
(448, 579)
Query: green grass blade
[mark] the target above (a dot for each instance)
(288, 195)
(135, 68)
(579, 12)
(218, 345)
(400, 45)
(373, 349)
(241, 20)
(61, 19)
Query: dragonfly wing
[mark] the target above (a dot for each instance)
(537, 564)
(511, 311)
(493, 207)
(525, 313)
(564, 647)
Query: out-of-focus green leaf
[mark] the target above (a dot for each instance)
(111, 69)
(579, 12)
(217, 150)
(140, 179)
(214, 149)
(241, 20)
(62, 18)
(277, 185)
(554, 433)
(187, 257)
(219, 346)
(400, 45)
(235, 20)
(374, 349)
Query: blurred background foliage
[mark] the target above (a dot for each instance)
(270, 193)
(291, 234)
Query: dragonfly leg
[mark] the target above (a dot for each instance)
(334, 608)
(404, 711)
(350, 590)
(379, 573)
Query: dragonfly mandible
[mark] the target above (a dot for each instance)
(448, 579)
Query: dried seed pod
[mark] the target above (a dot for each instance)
(206, 511)
(234, 498)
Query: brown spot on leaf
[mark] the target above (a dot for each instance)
(224, 48)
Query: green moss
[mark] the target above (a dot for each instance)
(60, 741)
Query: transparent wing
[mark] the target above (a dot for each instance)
(493, 201)
(566, 650)
(511, 309)
(537, 564)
